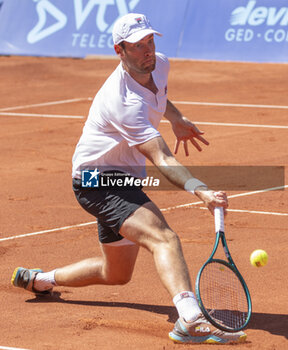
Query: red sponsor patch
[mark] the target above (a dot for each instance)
(184, 295)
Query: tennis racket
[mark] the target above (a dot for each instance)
(222, 293)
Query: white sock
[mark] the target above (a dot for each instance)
(45, 281)
(187, 305)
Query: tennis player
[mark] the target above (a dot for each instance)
(119, 135)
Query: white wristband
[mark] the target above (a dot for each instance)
(192, 184)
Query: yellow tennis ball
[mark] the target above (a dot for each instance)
(259, 258)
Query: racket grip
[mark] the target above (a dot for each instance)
(219, 219)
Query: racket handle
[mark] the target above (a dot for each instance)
(219, 219)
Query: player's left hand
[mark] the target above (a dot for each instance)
(185, 131)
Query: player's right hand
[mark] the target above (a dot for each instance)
(213, 199)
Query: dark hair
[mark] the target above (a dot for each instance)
(122, 44)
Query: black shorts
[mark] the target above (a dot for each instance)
(111, 207)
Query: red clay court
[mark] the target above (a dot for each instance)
(242, 107)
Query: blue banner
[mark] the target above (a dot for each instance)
(238, 30)
(79, 27)
(242, 30)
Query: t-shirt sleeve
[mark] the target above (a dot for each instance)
(133, 124)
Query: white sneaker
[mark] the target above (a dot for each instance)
(202, 331)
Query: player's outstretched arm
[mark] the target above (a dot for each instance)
(157, 151)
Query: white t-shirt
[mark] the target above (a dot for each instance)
(123, 114)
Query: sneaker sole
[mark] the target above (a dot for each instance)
(211, 339)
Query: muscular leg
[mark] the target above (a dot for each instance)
(148, 228)
(114, 267)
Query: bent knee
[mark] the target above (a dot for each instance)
(172, 240)
(117, 276)
(167, 238)
(118, 280)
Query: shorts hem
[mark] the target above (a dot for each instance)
(122, 242)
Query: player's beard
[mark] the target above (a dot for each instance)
(145, 66)
(149, 65)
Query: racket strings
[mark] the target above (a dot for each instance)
(223, 295)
